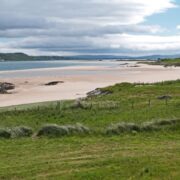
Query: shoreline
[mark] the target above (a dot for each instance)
(104, 64)
(32, 89)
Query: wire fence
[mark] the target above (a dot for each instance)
(129, 104)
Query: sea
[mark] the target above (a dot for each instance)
(13, 69)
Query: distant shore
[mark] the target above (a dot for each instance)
(33, 90)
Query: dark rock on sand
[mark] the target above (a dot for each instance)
(4, 87)
(53, 83)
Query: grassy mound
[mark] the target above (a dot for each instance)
(5, 133)
(121, 128)
(165, 62)
(54, 130)
(21, 131)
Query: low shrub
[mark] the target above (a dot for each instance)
(78, 129)
(166, 122)
(21, 131)
(5, 133)
(54, 130)
(149, 126)
(121, 128)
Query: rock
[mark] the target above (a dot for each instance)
(98, 92)
(4, 87)
(53, 83)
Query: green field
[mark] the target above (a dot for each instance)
(138, 155)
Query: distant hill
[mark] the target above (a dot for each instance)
(25, 57)
(14, 56)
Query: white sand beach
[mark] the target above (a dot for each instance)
(32, 89)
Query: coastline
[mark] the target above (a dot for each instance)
(32, 89)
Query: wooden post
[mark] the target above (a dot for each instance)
(58, 106)
(149, 103)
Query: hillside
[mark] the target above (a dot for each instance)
(134, 133)
(25, 57)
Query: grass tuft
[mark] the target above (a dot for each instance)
(148, 127)
(21, 131)
(5, 133)
(54, 130)
(121, 128)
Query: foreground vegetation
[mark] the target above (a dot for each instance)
(141, 156)
(129, 131)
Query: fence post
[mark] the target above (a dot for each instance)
(58, 106)
(149, 102)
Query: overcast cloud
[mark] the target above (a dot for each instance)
(66, 27)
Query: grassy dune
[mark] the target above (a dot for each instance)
(132, 155)
(126, 103)
(166, 62)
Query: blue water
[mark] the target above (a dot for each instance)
(14, 69)
(23, 65)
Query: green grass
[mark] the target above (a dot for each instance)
(127, 103)
(121, 128)
(166, 62)
(142, 155)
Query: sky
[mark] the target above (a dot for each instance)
(90, 27)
